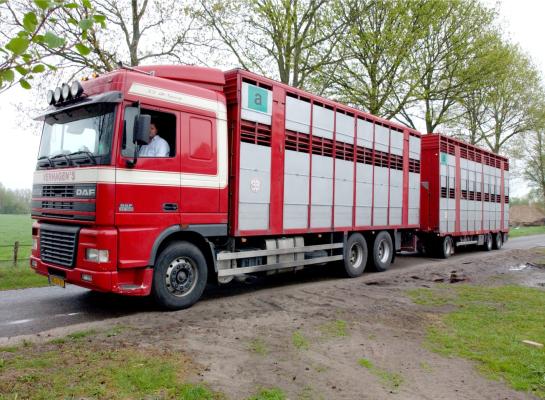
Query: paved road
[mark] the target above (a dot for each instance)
(31, 311)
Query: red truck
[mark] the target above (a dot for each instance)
(255, 177)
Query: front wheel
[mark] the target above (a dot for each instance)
(355, 255)
(383, 251)
(179, 276)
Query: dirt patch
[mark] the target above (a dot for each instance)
(525, 215)
(309, 338)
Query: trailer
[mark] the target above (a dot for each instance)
(465, 196)
(260, 178)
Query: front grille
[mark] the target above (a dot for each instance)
(58, 244)
(58, 191)
(58, 205)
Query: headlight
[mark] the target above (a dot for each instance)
(96, 255)
(76, 89)
(34, 243)
(65, 91)
(50, 97)
(57, 94)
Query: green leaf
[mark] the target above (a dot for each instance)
(38, 39)
(38, 68)
(30, 21)
(24, 84)
(72, 21)
(51, 67)
(82, 49)
(43, 4)
(18, 45)
(71, 5)
(85, 24)
(7, 75)
(86, 4)
(99, 18)
(22, 70)
(53, 41)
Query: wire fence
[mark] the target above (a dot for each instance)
(17, 254)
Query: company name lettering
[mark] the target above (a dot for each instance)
(59, 176)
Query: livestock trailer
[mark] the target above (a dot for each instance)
(464, 196)
(260, 177)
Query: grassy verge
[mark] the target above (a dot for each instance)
(526, 231)
(77, 368)
(15, 228)
(20, 277)
(488, 326)
(92, 365)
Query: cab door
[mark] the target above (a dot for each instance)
(148, 194)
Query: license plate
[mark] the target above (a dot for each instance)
(57, 281)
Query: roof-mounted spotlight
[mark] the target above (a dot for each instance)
(49, 97)
(57, 94)
(65, 91)
(76, 89)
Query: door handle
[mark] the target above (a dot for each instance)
(170, 206)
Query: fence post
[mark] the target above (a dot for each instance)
(15, 253)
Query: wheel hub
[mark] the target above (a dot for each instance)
(181, 276)
(383, 251)
(356, 255)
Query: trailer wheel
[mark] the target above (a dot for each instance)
(355, 255)
(446, 248)
(383, 251)
(179, 276)
(487, 246)
(498, 241)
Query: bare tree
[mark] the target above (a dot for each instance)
(138, 31)
(444, 61)
(376, 73)
(290, 40)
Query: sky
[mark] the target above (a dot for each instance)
(20, 138)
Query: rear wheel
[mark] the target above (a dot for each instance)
(446, 248)
(355, 255)
(383, 251)
(487, 246)
(179, 276)
(498, 241)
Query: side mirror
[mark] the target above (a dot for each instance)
(140, 135)
(141, 129)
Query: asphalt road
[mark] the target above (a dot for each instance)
(31, 311)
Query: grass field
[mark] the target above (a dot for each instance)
(526, 231)
(488, 326)
(13, 228)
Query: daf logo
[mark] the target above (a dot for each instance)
(85, 192)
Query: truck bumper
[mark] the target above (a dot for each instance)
(131, 282)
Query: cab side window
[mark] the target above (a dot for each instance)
(165, 128)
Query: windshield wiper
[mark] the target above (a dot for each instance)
(90, 155)
(59, 156)
(46, 158)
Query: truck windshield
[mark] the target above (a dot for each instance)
(78, 137)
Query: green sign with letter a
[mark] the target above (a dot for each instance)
(258, 99)
(444, 158)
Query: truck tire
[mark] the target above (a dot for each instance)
(355, 255)
(487, 246)
(498, 241)
(179, 276)
(446, 247)
(383, 251)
